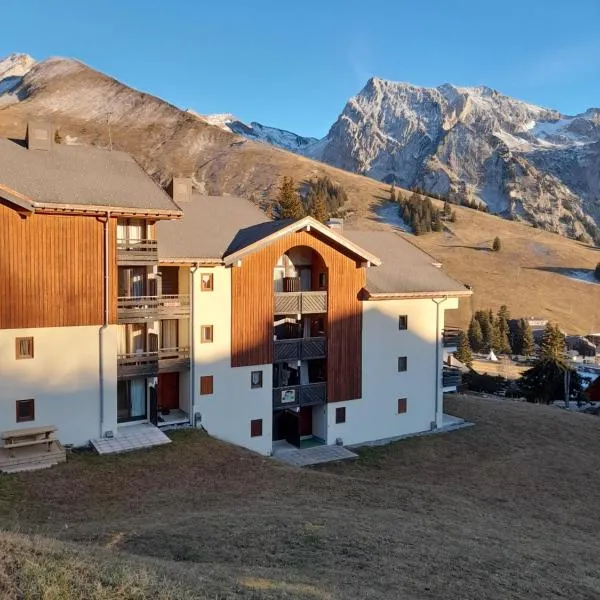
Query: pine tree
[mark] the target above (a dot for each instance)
(487, 329)
(475, 335)
(463, 352)
(553, 343)
(290, 205)
(503, 330)
(393, 193)
(497, 244)
(527, 345)
(319, 209)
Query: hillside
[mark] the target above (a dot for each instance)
(504, 509)
(168, 141)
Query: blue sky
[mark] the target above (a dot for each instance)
(294, 64)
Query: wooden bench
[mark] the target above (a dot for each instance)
(29, 436)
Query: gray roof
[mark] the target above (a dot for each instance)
(81, 176)
(404, 268)
(212, 227)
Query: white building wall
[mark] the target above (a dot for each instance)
(227, 412)
(62, 378)
(375, 416)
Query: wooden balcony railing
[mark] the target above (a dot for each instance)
(299, 349)
(299, 395)
(137, 252)
(451, 377)
(300, 303)
(150, 364)
(450, 337)
(141, 308)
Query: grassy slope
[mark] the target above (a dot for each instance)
(168, 141)
(505, 509)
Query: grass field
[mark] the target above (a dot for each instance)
(505, 509)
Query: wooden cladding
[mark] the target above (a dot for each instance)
(253, 309)
(51, 270)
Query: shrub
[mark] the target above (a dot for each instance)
(497, 245)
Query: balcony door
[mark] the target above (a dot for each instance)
(169, 334)
(132, 282)
(131, 230)
(131, 338)
(131, 400)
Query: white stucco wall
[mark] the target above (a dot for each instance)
(227, 412)
(375, 416)
(62, 378)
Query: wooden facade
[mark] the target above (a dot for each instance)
(52, 270)
(252, 310)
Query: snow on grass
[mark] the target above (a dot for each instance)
(584, 275)
(388, 213)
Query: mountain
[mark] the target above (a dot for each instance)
(259, 133)
(12, 69)
(535, 274)
(521, 160)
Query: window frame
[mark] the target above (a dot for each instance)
(25, 339)
(256, 428)
(402, 406)
(340, 415)
(403, 320)
(211, 278)
(210, 383)
(204, 328)
(28, 418)
(258, 385)
(402, 364)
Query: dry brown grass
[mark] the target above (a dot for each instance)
(505, 509)
(525, 275)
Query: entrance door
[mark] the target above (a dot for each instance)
(168, 391)
(305, 421)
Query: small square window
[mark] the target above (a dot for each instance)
(206, 282)
(24, 347)
(206, 385)
(256, 379)
(401, 406)
(340, 414)
(256, 428)
(25, 410)
(206, 334)
(402, 363)
(403, 322)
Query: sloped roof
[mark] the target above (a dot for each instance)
(405, 270)
(80, 176)
(211, 227)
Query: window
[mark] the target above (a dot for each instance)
(131, 400)
(256, 428)
(403, 322)
(206, 385)
(401, 406)
(206, 282)
(206, 334)
(24, 347)
(340, 414)
(25, 410)
(322, 281)
(256, 379)
(402, 363)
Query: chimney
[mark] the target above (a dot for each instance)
(180, 189)
(39, 135)
(336, 224)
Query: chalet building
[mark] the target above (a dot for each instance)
(124, 304)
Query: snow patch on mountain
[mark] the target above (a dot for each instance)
(12, 70)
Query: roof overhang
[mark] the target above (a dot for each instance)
(206, 262)
(306, 223)
(16, 198)
(115, 211)
(408, 295)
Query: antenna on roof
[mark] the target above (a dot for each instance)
(109, 134)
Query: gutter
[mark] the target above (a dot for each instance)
(105, 319)
(438, 373)
(193, 270)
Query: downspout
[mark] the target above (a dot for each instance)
(105, 319)
(438, 371)
(192, 348)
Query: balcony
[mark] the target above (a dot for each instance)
(141, 308)
(299, 349)
(450, 337)
(300, 303)
(137, 252)
(150, 364)
(299, 395)
(451, 377)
